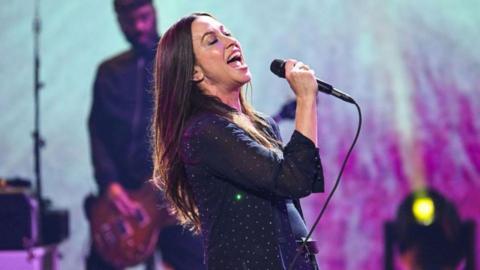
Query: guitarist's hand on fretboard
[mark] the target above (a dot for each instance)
(122, 202)
(125, 224)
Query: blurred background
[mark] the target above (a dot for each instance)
(412, 66)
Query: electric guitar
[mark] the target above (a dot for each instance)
(126, 241)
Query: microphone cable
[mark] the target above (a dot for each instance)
(303, 246)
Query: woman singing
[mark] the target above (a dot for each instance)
(221, 163)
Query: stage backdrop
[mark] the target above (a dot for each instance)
(413, 66)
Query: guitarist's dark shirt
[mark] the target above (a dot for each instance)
(120, 118)
(245, 191)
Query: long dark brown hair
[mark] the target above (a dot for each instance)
(177, 98)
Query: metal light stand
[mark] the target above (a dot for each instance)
(38, 141)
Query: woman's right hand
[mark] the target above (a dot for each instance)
(301, 79)
(303, 83)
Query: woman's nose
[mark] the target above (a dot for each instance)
(230, 41)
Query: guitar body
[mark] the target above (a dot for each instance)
(127, 241)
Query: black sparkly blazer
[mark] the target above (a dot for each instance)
(236, 184)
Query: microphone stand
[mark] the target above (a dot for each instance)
(52, 225)
(38, 141)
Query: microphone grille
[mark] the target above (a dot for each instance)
(278, 67)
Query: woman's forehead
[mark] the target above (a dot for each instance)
(203, 24)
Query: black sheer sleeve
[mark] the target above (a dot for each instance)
(228, 152)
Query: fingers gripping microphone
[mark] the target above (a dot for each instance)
(278, 68)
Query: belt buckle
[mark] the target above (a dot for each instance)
(307, 247)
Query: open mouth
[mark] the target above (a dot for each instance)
(235, 59)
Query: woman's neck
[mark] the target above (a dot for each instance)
(228, 97)
(232, 100)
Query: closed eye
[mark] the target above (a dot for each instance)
(212, 38)
(212, 41)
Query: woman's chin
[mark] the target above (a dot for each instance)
(244, 80)
(246, 77)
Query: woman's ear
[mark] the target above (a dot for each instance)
(198, 75)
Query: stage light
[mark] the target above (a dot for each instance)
(427, 231)
(423, 210)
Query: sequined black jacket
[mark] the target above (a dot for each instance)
(237, 182)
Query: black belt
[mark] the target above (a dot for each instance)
(309, 247)
(306, 250)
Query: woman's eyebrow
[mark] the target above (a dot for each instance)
(206, 34)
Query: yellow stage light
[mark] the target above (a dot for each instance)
(423, 210)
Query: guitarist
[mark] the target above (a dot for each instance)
(118, 128)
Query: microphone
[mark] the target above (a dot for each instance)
(278, 68)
